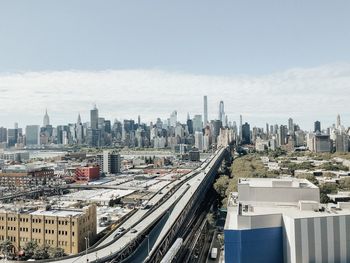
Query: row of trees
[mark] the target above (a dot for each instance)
(31, 250)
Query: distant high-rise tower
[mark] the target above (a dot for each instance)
(240, 128)
(46, 121)
(205, 110)
(79, 119)
(338, 121)
(246, 133)
(79, 130)
(290, 126)
(32, 135)
(94, 118)
(221, 112)
(317, 126)
(173, 119)
(267, 130)
(189, 124)
(197, 123)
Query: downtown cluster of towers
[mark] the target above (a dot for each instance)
(100, 132)
(199, 132)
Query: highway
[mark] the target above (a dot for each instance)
(171, 199)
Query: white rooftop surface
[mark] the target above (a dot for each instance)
(291, 210)
(59, 213)
(118, 181)
(97, 194)
(272, 182)
(139, 183)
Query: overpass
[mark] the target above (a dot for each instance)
(159, 226)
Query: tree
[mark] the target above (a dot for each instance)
(42, 252)
(326, 189)
(30, 248)
(56, 252)
(309, 177)
(221, 185)
(6, 247)
(210, 219)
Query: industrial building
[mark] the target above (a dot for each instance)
(87, 173)
(27, 176)
(62, 228)
(281, 220)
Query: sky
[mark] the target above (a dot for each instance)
(268, 60)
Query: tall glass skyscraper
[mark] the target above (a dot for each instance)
(205, 110)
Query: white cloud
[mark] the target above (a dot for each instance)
(304, 94)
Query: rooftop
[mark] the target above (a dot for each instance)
(59, 213)
(277, 183)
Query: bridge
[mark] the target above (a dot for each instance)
(149, 233)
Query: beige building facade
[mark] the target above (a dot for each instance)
(66, 229)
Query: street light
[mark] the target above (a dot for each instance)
(87, 241)
(147, 236)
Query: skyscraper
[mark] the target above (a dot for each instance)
(173, 119)
(240, 128)
(46, 121)
(94, 118)
(317, 126)
(197, 123)
(79, 130)
(198, 139)
(3, 134)
(32, 135)
(290, 126)
(338, 121)
(12, 137)
(189, 124)
(246, 133)
(282, 134)
(221, 112)
(205, 110)
(267, 130)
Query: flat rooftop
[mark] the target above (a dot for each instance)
(59, 213)
(277, 182)
(292, 210)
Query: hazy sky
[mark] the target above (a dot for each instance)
(266, 59)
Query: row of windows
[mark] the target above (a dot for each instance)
(49, 242)
(24, 239)
(37, 230)
(64, 233)
(62, 243)
(62, 222)
(37, 240)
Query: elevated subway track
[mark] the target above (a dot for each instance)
(179, 199)
(174, 230)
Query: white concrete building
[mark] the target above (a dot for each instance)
(281, 220)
